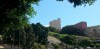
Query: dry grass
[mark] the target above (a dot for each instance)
(53, 40)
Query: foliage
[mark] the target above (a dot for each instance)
(27, 38)
(41, 33)
(39, 46)
(72, 30)
(62, 35)
(71, 40)
(14, 13)
(97, 45)
(9, 36)
(85, 42)
(51, 29)
(24, 37)
(53, 33)
(56, 46)
(80, 2)
(57, 35)
(77, 41)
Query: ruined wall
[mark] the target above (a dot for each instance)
(81, 25)
(56, 24)
(93, 32)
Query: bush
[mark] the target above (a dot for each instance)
(39, 46)
(97, 45)
(56, 35)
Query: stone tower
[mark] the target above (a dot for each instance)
(56, 24)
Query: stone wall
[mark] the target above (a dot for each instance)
(93, 32)
(81, 25)
(56, 24)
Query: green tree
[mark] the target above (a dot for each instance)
(15, 13)
(72, 30)
(69, 39)
(27, 38)
(11, 37)
(85, 42)
(41, 33)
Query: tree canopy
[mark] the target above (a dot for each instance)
(72, 30)
(80, 2)
(41, 33)
(14, 13)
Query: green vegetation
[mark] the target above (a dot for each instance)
(72, 30)
(70, 40)
(39, 46)
(15, 13)
(57, 35)
(53, 33)
(41, 33)
(74, 40)
(85, 42)
(27, 36)
(51, 29)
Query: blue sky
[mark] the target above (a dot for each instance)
(49, 10)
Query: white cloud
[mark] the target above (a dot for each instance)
(46, 25)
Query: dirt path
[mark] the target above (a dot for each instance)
(7, 47)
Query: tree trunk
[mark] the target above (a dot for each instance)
(19, 40)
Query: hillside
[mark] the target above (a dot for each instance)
(53, 40)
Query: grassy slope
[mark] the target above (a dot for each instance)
(53, 40)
